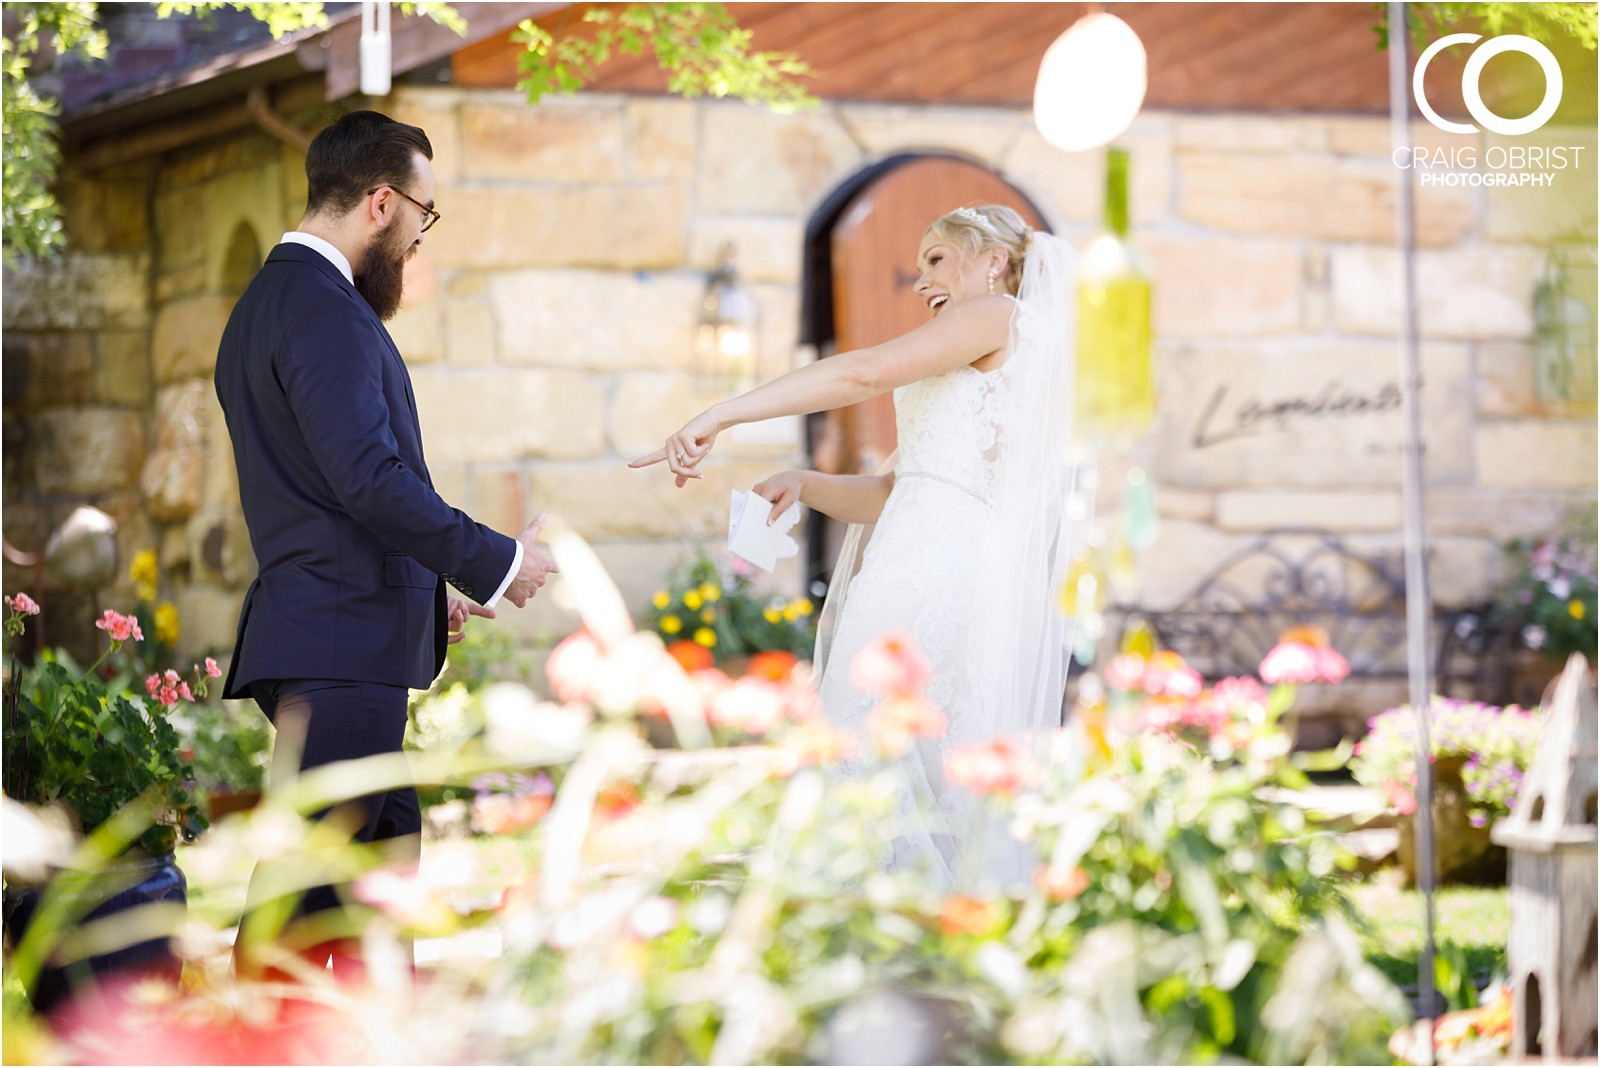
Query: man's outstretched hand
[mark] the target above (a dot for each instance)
(536, 564)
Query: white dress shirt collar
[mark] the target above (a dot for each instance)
(335, 257)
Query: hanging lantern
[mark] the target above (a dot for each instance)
(1091, 84)
(725, 336)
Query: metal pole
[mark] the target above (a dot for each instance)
(1418, 602)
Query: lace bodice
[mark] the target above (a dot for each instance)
(948, 427)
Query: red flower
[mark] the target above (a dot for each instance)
(774, 665)
(691, 656)
(119, 626)
(997, 767)
(892, 665)
(24, 604)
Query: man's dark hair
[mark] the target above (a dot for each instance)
(358, 153)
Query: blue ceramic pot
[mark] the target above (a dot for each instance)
(153, 879)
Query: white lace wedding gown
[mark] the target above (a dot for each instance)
(967, 558)
(918, 577)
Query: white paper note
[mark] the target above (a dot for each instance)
(752, 539)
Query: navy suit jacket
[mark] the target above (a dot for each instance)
(354, 545)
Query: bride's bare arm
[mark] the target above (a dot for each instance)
(848, 498)
(960, 335)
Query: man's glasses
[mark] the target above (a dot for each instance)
(429, 216)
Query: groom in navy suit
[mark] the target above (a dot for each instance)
(355, 547)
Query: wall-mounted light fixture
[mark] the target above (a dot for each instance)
(727, 327)
(1091, 83)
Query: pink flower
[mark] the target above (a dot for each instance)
(896, 720)
(167, 695)
(576, 668)
(997, 767)
(892, 665)
(1162, 675)
(152, 685)
(1304, 655)
(24, 604)
(184, 691)
(119, 626)
(212, 669)
(751, 705)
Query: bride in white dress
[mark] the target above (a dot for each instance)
(967, 548)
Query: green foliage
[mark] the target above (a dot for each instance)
(1544, 22)
(280, 18)
(31, 155)
(1473, 921)
(229, 745)
(73, 739)
(699, 45)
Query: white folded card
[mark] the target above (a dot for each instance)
(752, 539)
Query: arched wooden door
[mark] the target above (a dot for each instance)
(873, 248)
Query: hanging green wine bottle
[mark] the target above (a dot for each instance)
(1116, 399)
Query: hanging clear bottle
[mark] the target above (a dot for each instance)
(1116, 400)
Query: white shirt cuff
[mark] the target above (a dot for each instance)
(516, 565)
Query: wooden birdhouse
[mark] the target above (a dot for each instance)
(1550, 836)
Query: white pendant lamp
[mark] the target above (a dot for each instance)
(1091, 84)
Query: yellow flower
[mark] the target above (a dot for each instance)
(692, 600)
(1575, 608)
(661, 599)
(671, 624)
(708, 615)
(789, 612)
(803, 606)
(711, 593)
(145, 574)
(770, 614)
(166, 623)
(706, 636)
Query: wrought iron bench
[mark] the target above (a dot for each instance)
(1298, 577)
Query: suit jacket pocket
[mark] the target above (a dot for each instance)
(400, 570)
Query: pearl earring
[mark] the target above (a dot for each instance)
(992, 276)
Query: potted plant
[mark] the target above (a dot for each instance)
(88, 741)
(1549, 605)
(708, 614)
(1480, 753)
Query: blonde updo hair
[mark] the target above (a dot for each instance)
(985, 226)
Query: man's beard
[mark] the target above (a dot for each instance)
(383, 272)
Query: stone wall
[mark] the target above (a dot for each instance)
(548, 323)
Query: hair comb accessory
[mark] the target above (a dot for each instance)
(972, 215)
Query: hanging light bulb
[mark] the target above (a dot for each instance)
(1091, 84)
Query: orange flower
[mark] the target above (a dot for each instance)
(508, 813)
(774, 665)
(1059, 888)
(616, 801)
(968, 915)
(691, 656)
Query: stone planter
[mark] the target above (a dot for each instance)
(1466, 855)
(138, 879)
